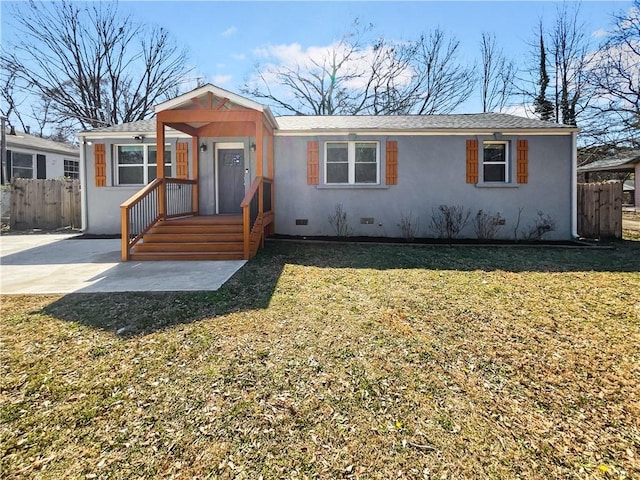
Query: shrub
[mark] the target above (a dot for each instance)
(541, 225)
(338, 220)
(486, 226)
(409, 227)
(449, 220)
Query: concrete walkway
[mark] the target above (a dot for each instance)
(41, 264)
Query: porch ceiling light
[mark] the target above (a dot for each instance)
(139, 138)
(203, 147)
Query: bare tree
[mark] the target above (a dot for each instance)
(9, 107)
(442, 84)
(95, 64)
(541, 104)
(498, 74)
(320, 85)
(354, 77)
(569, 48)
(614, 75)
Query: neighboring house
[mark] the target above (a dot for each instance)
(627, 162)
(289, 173)
(29, 156)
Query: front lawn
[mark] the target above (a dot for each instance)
(334, 361)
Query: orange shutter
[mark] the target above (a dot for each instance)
(522, 168)
(100, 164)
(392, 162)
(472, 161)
(182, 160)
(313, 163)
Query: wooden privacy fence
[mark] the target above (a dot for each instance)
(45, 204)
(600, 210)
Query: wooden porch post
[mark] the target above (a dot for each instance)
(270, 154)
(270, 172)
(259, 147)
(195, 149)
(162, 207)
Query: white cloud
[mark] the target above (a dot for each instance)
(238, 56)
(229, 31)
(526, 111)
(287, 57)
(600, 33)
(221, 79)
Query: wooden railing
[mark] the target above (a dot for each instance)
(257, 213)
(179, 197)
(162, 198)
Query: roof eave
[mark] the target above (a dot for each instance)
(428, 131)
(61, 151)
(221, 92)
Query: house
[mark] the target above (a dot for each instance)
(230, 173)
(29, 156)
(626, 162)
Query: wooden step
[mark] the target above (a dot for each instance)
(163, 228)
(204, 220)
(189, 247)
(216, 237)
(143, 256)
(155, 237)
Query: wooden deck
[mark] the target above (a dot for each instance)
(217, 237)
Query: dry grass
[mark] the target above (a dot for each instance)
(631, 225)
(337, 362)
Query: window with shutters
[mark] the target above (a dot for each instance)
(71, 168)
(21, 165)
(136, 164)
(352, 163)
(495, 162)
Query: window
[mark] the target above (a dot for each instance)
(351, 163)
(495, 164)
(21, 165)
(71, 168)
(137, 164)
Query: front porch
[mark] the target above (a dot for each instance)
(220, 203)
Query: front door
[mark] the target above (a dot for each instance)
(230, 180)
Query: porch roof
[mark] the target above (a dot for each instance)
(621, 162)
(215, 99)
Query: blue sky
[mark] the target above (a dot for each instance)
(226, 39)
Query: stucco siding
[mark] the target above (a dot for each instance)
(431, 172)
(103, 203)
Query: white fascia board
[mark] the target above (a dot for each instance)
(147, 135)
(311, 133)
(29, 149)
(217, 91)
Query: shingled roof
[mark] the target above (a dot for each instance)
(472, 121)
(622, 161)
(32, 142)
(327, 123)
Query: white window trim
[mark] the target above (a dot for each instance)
(351, 156)
(506, 163)
(33, 162)
(145, 162)
(64, 169)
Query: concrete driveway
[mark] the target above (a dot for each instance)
(40, 264)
